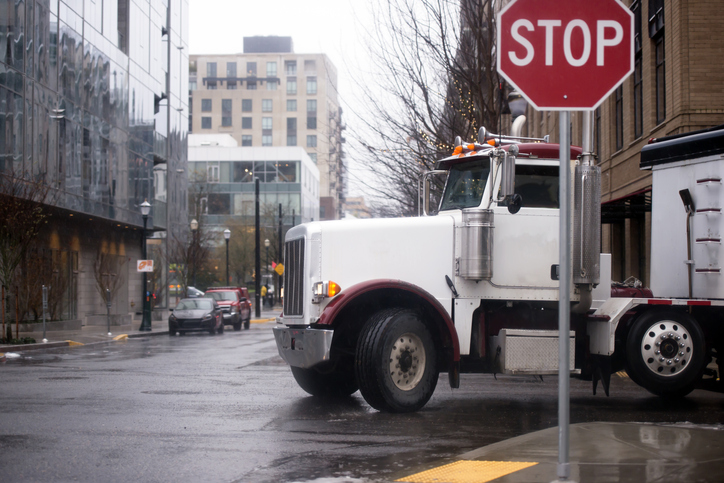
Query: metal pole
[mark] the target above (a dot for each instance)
(45, 306)
(564, 295)
(280, 256)
(257, 252)
(227, 262)
(108, 310)
(146, 317)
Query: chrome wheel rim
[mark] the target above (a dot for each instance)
(666, 348)
(407, 361)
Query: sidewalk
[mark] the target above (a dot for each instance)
(93, 334)
(599, 452)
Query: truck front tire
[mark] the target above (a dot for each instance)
(665, 352)
(396, 363)
(333, 384)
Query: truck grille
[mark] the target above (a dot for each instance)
(294, 277)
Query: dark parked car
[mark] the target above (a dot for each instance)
(194, 315)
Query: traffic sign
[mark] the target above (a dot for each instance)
(565, 54)
(144, 266)
(279, 269)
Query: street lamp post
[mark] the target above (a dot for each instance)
(266, 244)
(227, 235)
(194, 227)
(146, 317)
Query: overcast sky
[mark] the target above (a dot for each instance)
(332, 27)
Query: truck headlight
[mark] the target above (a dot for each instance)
(322, 290)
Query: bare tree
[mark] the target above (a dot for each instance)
(108, 274)
(189, 254)
(22, 215)
(436, 74)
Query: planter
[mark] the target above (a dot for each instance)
(117, 320)
(51, 326)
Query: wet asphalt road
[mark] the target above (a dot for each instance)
(226, 409)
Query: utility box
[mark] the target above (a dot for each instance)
(529, 351)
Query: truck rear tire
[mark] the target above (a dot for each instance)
(666, 352)
(396, 363)
(332, 384)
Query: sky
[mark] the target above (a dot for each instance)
(332, 27)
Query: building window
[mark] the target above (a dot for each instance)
(211, 69)
(231, 85)
(619, 117)
(597, 131)
(291, 140)
(211, 85)
(291, 105)
(205, 105)
(226, 112)
(311, 85)
(205, 123)
(311, 122)
(272, 85)
(251, 85)
(266, 123)
(313, 157)
(212, 173)
(291, 123)
(231, 69)
(291, 86)
(246, 105)
(638, 105)
(311, 105)
(271, 69)
(310, 67)
(246, 123)
(660, 79)
(251, 69)
(266, 140)
(312, 141)
(638, 102)
(290, 67)
(246, 140)
(266, 105)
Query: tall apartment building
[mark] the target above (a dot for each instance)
(84, 95)
(677, 87)
(271, 96)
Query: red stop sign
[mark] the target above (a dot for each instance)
(565, 54)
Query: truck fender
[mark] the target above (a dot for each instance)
(349, 295)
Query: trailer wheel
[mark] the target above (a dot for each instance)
(665, 352)
(396, 364)
(334, 384)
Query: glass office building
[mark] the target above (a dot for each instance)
(85, 90)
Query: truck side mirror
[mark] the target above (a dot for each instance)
(425, 207)
(507, 182)
(514, 203)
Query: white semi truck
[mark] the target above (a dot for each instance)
(385, 305)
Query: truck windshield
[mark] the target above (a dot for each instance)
(465, 184)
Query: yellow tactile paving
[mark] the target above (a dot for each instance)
(468, 472)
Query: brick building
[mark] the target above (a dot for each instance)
(677, 87)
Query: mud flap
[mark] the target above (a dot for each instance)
(601, 371)
(454, 375)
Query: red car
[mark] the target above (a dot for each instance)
(235, 305)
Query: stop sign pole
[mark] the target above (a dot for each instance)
(565, 55)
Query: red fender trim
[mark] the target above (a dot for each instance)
(348, 295)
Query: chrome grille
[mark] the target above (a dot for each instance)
(294, 277)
